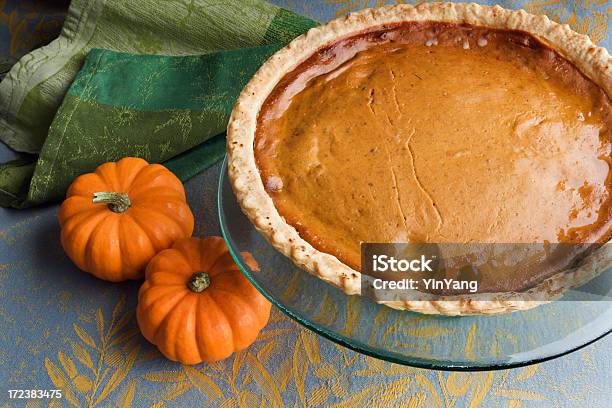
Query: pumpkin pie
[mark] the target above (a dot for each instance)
(440, 123)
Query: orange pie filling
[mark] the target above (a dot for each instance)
(442, 133)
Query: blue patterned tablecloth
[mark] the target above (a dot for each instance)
(61, 328)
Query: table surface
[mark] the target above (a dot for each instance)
(61, 328)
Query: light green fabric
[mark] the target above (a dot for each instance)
(125, 104)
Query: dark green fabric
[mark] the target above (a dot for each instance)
(159, 83)
(285, 26)
(12, 177)
(149, 106)
(185, 165)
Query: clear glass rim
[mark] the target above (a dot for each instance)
(357, 345)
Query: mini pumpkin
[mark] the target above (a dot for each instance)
(195, 305)
(116, 219)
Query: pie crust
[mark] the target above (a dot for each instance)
(256, 203)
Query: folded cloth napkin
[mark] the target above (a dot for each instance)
(75, 106)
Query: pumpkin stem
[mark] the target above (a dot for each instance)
(117, 202)
(198, 282)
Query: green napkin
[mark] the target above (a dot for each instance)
(154, 107)
(121, 104)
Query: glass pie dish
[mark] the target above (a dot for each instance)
(427, 341)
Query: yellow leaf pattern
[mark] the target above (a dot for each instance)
(92, 383)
